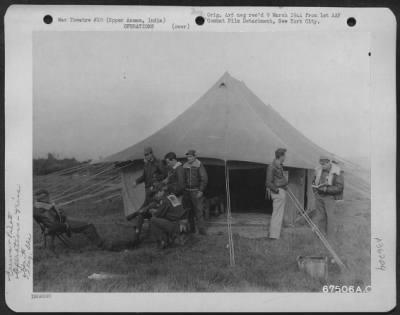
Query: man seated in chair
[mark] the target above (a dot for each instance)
(55, 223)
(169, 218)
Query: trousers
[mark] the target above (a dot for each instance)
(278, 206)
(147, 198)
(87, 229)
(195, 205)
(138, 225)
(324, 217)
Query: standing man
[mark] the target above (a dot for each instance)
(277, 184)
(196, 180)
(153, 173)
(176, 177)
(327, 187)
(153, 168)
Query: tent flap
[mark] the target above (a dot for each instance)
(133, 197)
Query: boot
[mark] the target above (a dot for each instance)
(68, 230)
(163, 244)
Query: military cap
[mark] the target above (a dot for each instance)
(191, 152)
(148, 150)
(279, 152)
(325, 157)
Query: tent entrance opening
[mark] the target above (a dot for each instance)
(247, 188)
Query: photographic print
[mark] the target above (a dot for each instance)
(192, 161)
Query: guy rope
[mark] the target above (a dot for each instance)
(71, 169)
(89, 187)
(107, 169)
(229, 218)
(101, 188)
(315, 229)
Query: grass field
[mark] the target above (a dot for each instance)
(202, 264)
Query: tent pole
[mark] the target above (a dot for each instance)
(228, 214)
(230, 220)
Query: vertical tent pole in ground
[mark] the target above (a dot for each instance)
(230, 220)
(228, 215)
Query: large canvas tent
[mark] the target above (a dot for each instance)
(229, 126)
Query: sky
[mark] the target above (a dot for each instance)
(96, 93)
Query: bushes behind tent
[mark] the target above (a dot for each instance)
(44, 166)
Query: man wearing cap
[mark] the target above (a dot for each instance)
(166, 217)
(176, 177)
(196, 181)
(328, 187)
(152, 165)
(54, 221)
(276, 183)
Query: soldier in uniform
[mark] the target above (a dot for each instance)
(276, 183)
(176, 177)
(152, 165)
(166, 217)
(196, 181)
(327, 187)
(55, 221)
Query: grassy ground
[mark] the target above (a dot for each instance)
(202, 264)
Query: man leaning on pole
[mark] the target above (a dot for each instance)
(276, 185)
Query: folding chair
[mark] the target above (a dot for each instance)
(56, 234)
